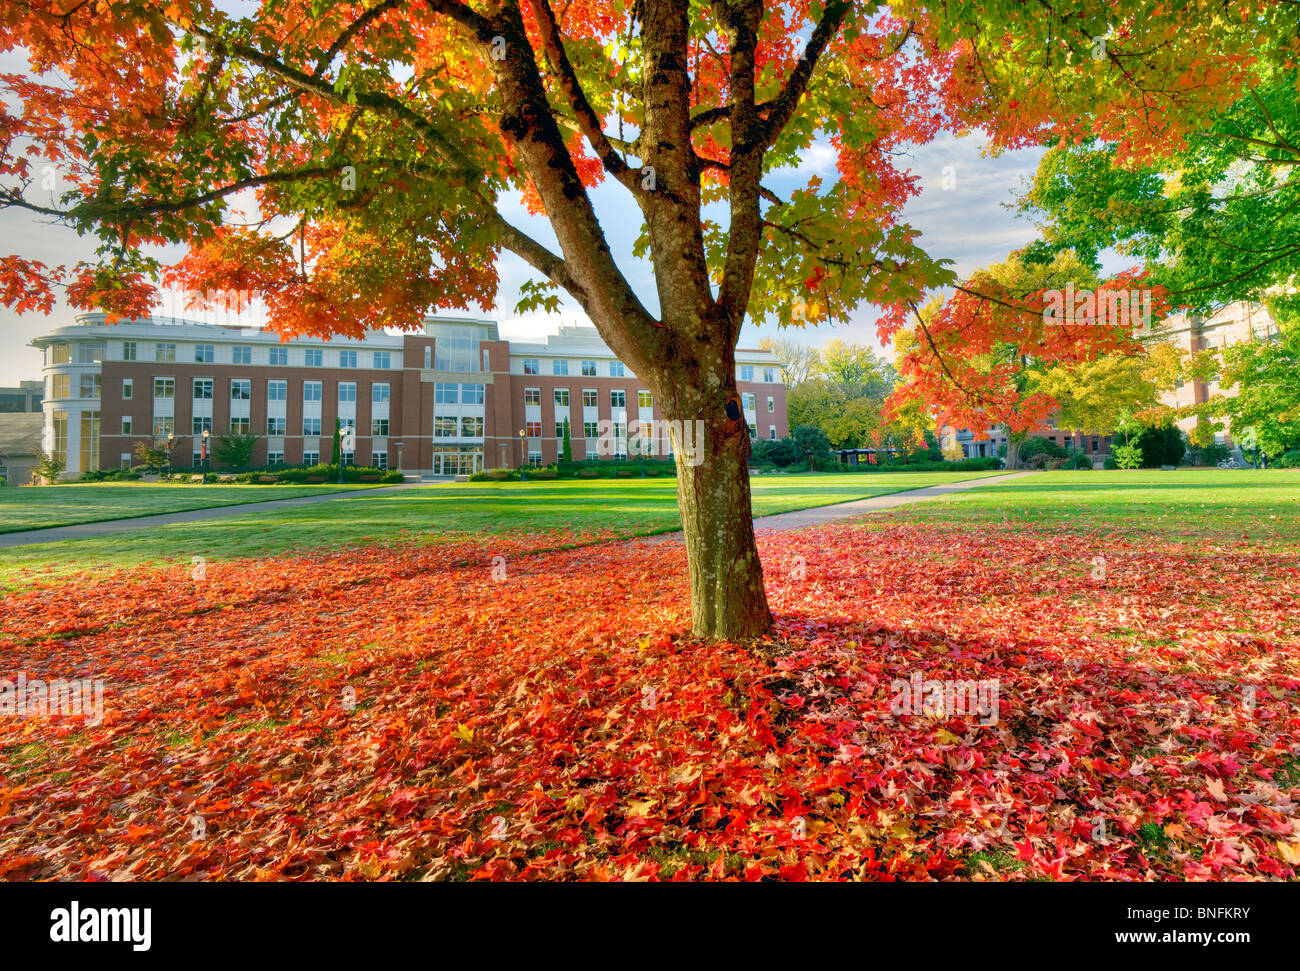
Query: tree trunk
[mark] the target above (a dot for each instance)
(1013, 449)
(727, 595)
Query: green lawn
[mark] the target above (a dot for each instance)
(628, 506)
(41, 507)
(1227, 505)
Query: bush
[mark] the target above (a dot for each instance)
(1079, 462)
(774, 452)
(108, 475)
(1288, 460)
(965, 465)
(1127, 456)
(1110, 463)
(1210, 455)
(1160, 445)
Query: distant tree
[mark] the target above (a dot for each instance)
(48, 466)
(234, 450)
(336, 454)
(156, 455)
(781, 452)
(566, 446)
(798, 363)
(811, 440)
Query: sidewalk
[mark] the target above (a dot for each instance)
(857, 507)
(110, 526)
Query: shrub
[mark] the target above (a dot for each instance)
(1210, 455)
(1127, 456)
(1160, 445)
(1109, 463)
(1079, 462)
(1032, 448)
(1288, 460)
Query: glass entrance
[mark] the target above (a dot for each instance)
(457, 460)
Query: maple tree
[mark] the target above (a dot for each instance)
(992, 354)
(369, 147)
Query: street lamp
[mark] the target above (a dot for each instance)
(523, 454)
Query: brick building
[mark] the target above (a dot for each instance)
(448, 401)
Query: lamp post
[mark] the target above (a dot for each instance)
(523, 454)
(203, 456)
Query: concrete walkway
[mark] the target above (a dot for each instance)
(857, 507)
(110, 526)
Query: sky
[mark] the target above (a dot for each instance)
(962, 211)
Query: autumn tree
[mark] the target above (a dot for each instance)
(985, 356)
(348, 162)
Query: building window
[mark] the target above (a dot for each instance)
(311, 391)
(379, 460)
(196, 459)
(128, 350)
(559, 428)
(618, 399)
(531, 365)
(60, 386)
(533, 428)
(280, 356)
(644, 399)
(276, 426)
(124, 458)
(200, 424)
(560, 368)
(379, 392)
(379, 427)
(446, 394)
(616, 369)
(592, 453)
(588, 369)
(590, 398)
(444, 427)
(241, 354)
(163, 426)
(428, 356)
(532, 396)
(383, 360)
(562, 397)
(204, 353)
(240, 426)
(311, 426)
(277, 390)
(753, 430)
(164, 387)
(769, 374)
(126, 424)
(771, 404)
(472, 394)
(471, 426)
(347, 391)
(747, 372)
(241, 389)
(202, 389)
(128, 389)
(347, 358)
(90, 386)
(164, 352)
(60, 353)
(311, 458)
(314, 357)
(771, 432)
(747, 401)
(89, 440)
(90, 353)
(275, 457)
(590, 429)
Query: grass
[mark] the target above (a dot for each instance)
(627, 506)
(1227, 505)
(73, 504)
